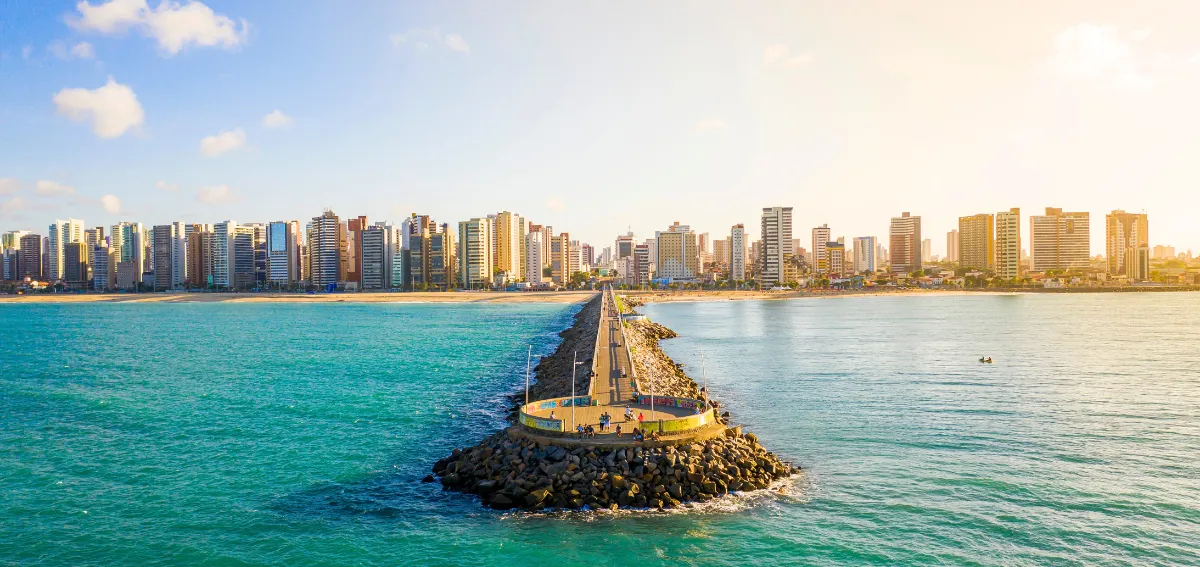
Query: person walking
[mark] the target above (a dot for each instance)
(640, 419)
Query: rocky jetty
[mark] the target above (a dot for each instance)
(508, 472)
(514, 469)
(655, 370)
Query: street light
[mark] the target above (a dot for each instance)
(528, 359)
(574, 364)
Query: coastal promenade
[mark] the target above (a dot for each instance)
(613, 388)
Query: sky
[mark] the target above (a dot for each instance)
(601, 117)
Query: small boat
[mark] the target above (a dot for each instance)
(986, 360)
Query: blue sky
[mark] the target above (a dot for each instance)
(594, 117)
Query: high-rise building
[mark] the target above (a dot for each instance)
(1161, 252)
(533, 257)
(75, 265)
(864, 254)
(283, 253)
(776, 248)
(373, 254)
(1008, 244)
(128, 242)
(30, 259)
(163, 239)
(475, 252)
(198, 239)
(905, 244)
(624, 245)
(560, 259)
(354, 229)
(641, 265)
(1123, 232)
(93, 237)
(1059, 241)
(510, 241)
(720, 252)
(432, 258)
(1137, 263)
(99, 264)
(587, 255)
(836, 252)
(977, 241)
(737, 253)
(326, 248)
(223, 253)
(678, 253)
(820, 260)
(62, 232)
(926, 250)
(952, 243)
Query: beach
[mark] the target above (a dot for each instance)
(405, 297)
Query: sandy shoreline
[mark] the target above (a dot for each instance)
(410, 297)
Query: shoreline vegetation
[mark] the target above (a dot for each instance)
(513, 469)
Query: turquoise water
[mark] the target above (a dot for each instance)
(271, 434)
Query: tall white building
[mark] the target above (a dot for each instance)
(475, 252)
(820, 256)
(952, 246)
(1008, 243)
(222, 253)
(864, 254)
(533, 257)
(737, 253)
(776, 234)
(1059, 240)
(283, 252)
(61, 233)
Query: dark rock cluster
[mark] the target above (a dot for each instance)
(508, 472)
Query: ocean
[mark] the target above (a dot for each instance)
(278, 434)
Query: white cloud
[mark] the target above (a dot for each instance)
(81, 50)
(12, 205)
(46, 187)
(173, 25)
(276, 119)
(432, 37)
(556, 204)
(215, 195)
(1101, 53)
(111, 203)
(226, 141)
(710, 124)
(779, 55)
(9, 185)
(113, 108)
(164, 186)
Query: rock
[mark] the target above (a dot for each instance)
(428, 478)
(500, 502)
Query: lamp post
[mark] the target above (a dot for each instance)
(574, 364)
(528, 358)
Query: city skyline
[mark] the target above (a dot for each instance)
(777, 114)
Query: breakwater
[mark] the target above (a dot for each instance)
(529, 469)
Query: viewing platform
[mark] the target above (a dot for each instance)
(614, 388)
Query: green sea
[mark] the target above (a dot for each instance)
(280, 434)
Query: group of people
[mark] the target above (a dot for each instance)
(639, 435)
